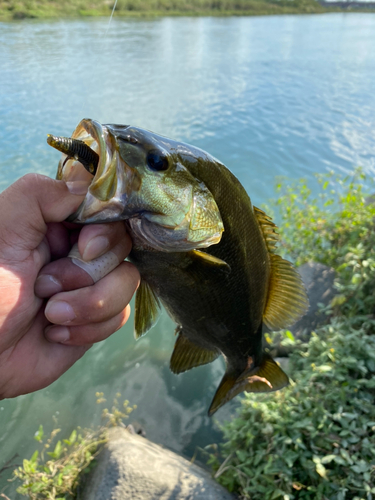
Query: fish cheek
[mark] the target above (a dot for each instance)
(168, 202)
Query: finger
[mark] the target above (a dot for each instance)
(65, 275)
(87, 334)
(96, 303)
(58, 238)
(96, 240)
(34, 363)
(42, 255)
(59, 276)
(39, 200)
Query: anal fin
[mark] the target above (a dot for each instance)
(188, 355)
(147, 309)
(267, 377)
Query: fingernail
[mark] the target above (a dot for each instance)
(78, 187)
(57, 334)
(47, 285)
(59, 312)
(95, 248)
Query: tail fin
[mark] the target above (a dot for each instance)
(267, 377)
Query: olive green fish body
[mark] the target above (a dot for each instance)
(201, 248)
(217, 307)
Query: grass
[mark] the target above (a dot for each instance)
(43, 9)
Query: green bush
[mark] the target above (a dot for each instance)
(335, 228)
(56, 474)
(316, 438)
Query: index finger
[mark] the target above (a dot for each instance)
(64, 274)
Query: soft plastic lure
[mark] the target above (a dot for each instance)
(77, 150)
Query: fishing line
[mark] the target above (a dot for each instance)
(110, 19)
(104, 38)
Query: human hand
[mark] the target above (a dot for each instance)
(40, 338)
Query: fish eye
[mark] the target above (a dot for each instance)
(157, 161)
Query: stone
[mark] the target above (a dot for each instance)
(319, 283)
(370, 200)
(131, 467)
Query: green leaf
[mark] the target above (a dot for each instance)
(328, 458)
(26, 465)
(37, 487)
(324, 368)
(360, 468)
(290, 335)
(321, 470)
(242, 455)
(73, 437)
(38, 436)
(34, 457)
(277, 494)
(57, 451)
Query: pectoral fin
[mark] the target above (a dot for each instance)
(188, 355)
(267, 377)
(209, 259)
(147, 309)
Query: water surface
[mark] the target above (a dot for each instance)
(268, 96)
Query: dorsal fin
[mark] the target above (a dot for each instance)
(188, 355)
(147, 309)
(268, 228)
(287, 300)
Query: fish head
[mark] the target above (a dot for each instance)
(144, 178)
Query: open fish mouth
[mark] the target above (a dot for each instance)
(133, 174)
(90, 158)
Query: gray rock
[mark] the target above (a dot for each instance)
(131, 467)
(369, 200)
(318, 280)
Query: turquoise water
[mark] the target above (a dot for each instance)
(269, 96)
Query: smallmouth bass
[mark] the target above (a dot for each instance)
(202, 249)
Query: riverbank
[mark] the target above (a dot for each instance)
(28, 9)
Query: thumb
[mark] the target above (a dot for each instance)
(33, 201)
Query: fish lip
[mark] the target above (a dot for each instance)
(98, 217)
(98, 133)
(94, 210)
(87, 131)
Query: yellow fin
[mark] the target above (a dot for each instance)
(266, 378)
(268, 228)
(287, 300)
(209, 259)
(188, 355)
(147, 309)
(269, 377)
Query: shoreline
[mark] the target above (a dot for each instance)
(72, 9)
